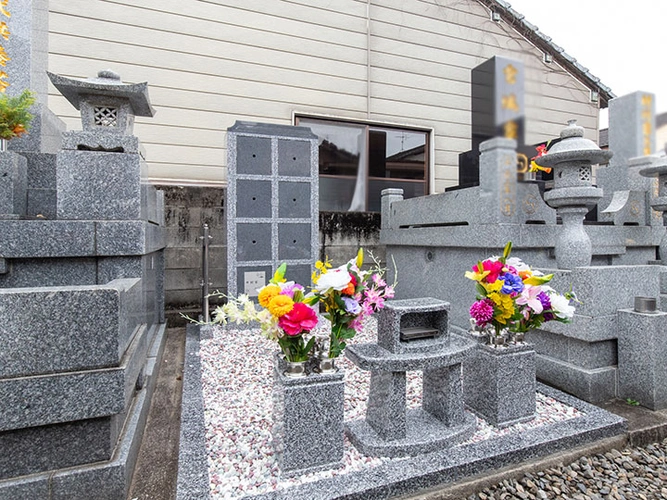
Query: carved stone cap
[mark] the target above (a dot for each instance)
(107, 83)
(572, 148)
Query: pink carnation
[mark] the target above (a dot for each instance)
(300, 319)
(482, 311)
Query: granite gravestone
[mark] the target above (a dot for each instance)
(272, 214)
(627, 195)
(436, 239)
(497, 110)
(82, 315)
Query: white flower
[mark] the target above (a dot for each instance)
(337, 279)
(517, 264)
(561, 306)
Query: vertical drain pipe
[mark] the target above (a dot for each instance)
(368, 59)
(205, 237)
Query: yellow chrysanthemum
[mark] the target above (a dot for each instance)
(506, 306)
(267, 293)
(493, 287)
(280, 305)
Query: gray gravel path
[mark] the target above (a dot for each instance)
(633, 473)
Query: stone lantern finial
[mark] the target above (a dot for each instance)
(573, 193)
(108, 107)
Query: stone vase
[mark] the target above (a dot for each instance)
(307, 420)
(499, 384)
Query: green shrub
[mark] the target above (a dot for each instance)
(15, 116)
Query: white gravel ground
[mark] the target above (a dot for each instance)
(237, 385)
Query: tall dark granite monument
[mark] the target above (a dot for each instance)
(497, 110)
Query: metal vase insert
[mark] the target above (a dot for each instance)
(295, 369)
(518, 337)
(326, 365)
(496, 340)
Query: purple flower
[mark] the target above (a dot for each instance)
(482, 311)
(351, 305)
(546, 304)
(512, 284)
(289, 288)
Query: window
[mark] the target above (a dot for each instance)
(358, 161)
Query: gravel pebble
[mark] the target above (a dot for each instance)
(613, 475)
(237, 384)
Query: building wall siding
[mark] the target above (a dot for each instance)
(212, 62)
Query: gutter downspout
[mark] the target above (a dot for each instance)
(368, 59)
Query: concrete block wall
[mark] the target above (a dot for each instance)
(187, 208)
(343, 233)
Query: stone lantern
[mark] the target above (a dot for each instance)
(659, 203)
(573, 194)
(100, 172)
(108, 107)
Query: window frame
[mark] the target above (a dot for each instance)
(429, 174)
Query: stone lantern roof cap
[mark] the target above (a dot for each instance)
(573, 147)
(106, 83)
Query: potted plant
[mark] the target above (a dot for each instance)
(15, 116)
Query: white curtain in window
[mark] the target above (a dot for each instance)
(358, 203)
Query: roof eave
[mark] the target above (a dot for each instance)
(543, 42)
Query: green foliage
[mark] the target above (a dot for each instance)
(15, 116)
(294, 347)
(632, 402)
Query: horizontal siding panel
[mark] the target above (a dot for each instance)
(399, 110)
(419, 96)
(219, 43)
(260, 97)
(174, 80)
(421, 31)
(188, 63)
(186, 20)
(402, 78)
(188, 172)
(348, 16)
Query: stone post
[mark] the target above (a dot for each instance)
(642, 350)
(389, 196)
(659, 202)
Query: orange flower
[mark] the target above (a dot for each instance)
(267, 293)
(19, 129)
(280, 305)
(350, 288)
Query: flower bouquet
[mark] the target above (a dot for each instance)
(286, 315)
(349, 296)
(511, 296)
